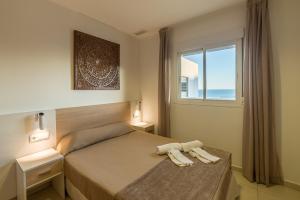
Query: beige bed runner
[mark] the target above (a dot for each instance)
(167, 181)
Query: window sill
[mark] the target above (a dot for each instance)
(210, 103)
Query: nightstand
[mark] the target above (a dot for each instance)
(38, 168)
(143, 126)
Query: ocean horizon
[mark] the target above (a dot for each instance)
(217, 94)
(228, 94)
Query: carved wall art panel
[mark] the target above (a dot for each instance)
(96, 63)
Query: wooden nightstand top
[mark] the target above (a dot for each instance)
(38, 159)
(144, 126)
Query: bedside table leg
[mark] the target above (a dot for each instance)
(21, 184)
(59, 185)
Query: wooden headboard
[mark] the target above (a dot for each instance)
(79, 118)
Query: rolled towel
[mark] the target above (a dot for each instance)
(163, 149)
(188, 146)
(205, 154)
(178, 158)
(195, 155)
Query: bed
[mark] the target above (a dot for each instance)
(112, 162)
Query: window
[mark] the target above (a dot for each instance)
(210, 74)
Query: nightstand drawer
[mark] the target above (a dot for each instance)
(39, 174)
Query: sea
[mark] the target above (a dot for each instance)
(217, 94)
(225, 94)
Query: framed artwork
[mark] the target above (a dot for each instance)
(96, 63)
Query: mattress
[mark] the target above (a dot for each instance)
(102, 170)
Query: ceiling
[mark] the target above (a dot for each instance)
(132, 16)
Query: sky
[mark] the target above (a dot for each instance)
(220, 68)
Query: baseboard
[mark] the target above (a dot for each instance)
(292, 185)
(287, 183)
(236, 168)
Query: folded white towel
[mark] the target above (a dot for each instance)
(178, 158)
(174, 160)
(205, 154)
(163, 149)
(195, 155)
(189, 145)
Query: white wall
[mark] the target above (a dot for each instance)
(219, 127)
(285, 29)
(36, 40)
(36, 74)
(216, 126)
(149, 54)
(14, 143)
(36, 45)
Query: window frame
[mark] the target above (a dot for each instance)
(212, 102)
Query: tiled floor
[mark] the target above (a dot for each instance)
(249, 191)
(46, 194)
(252, 191)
